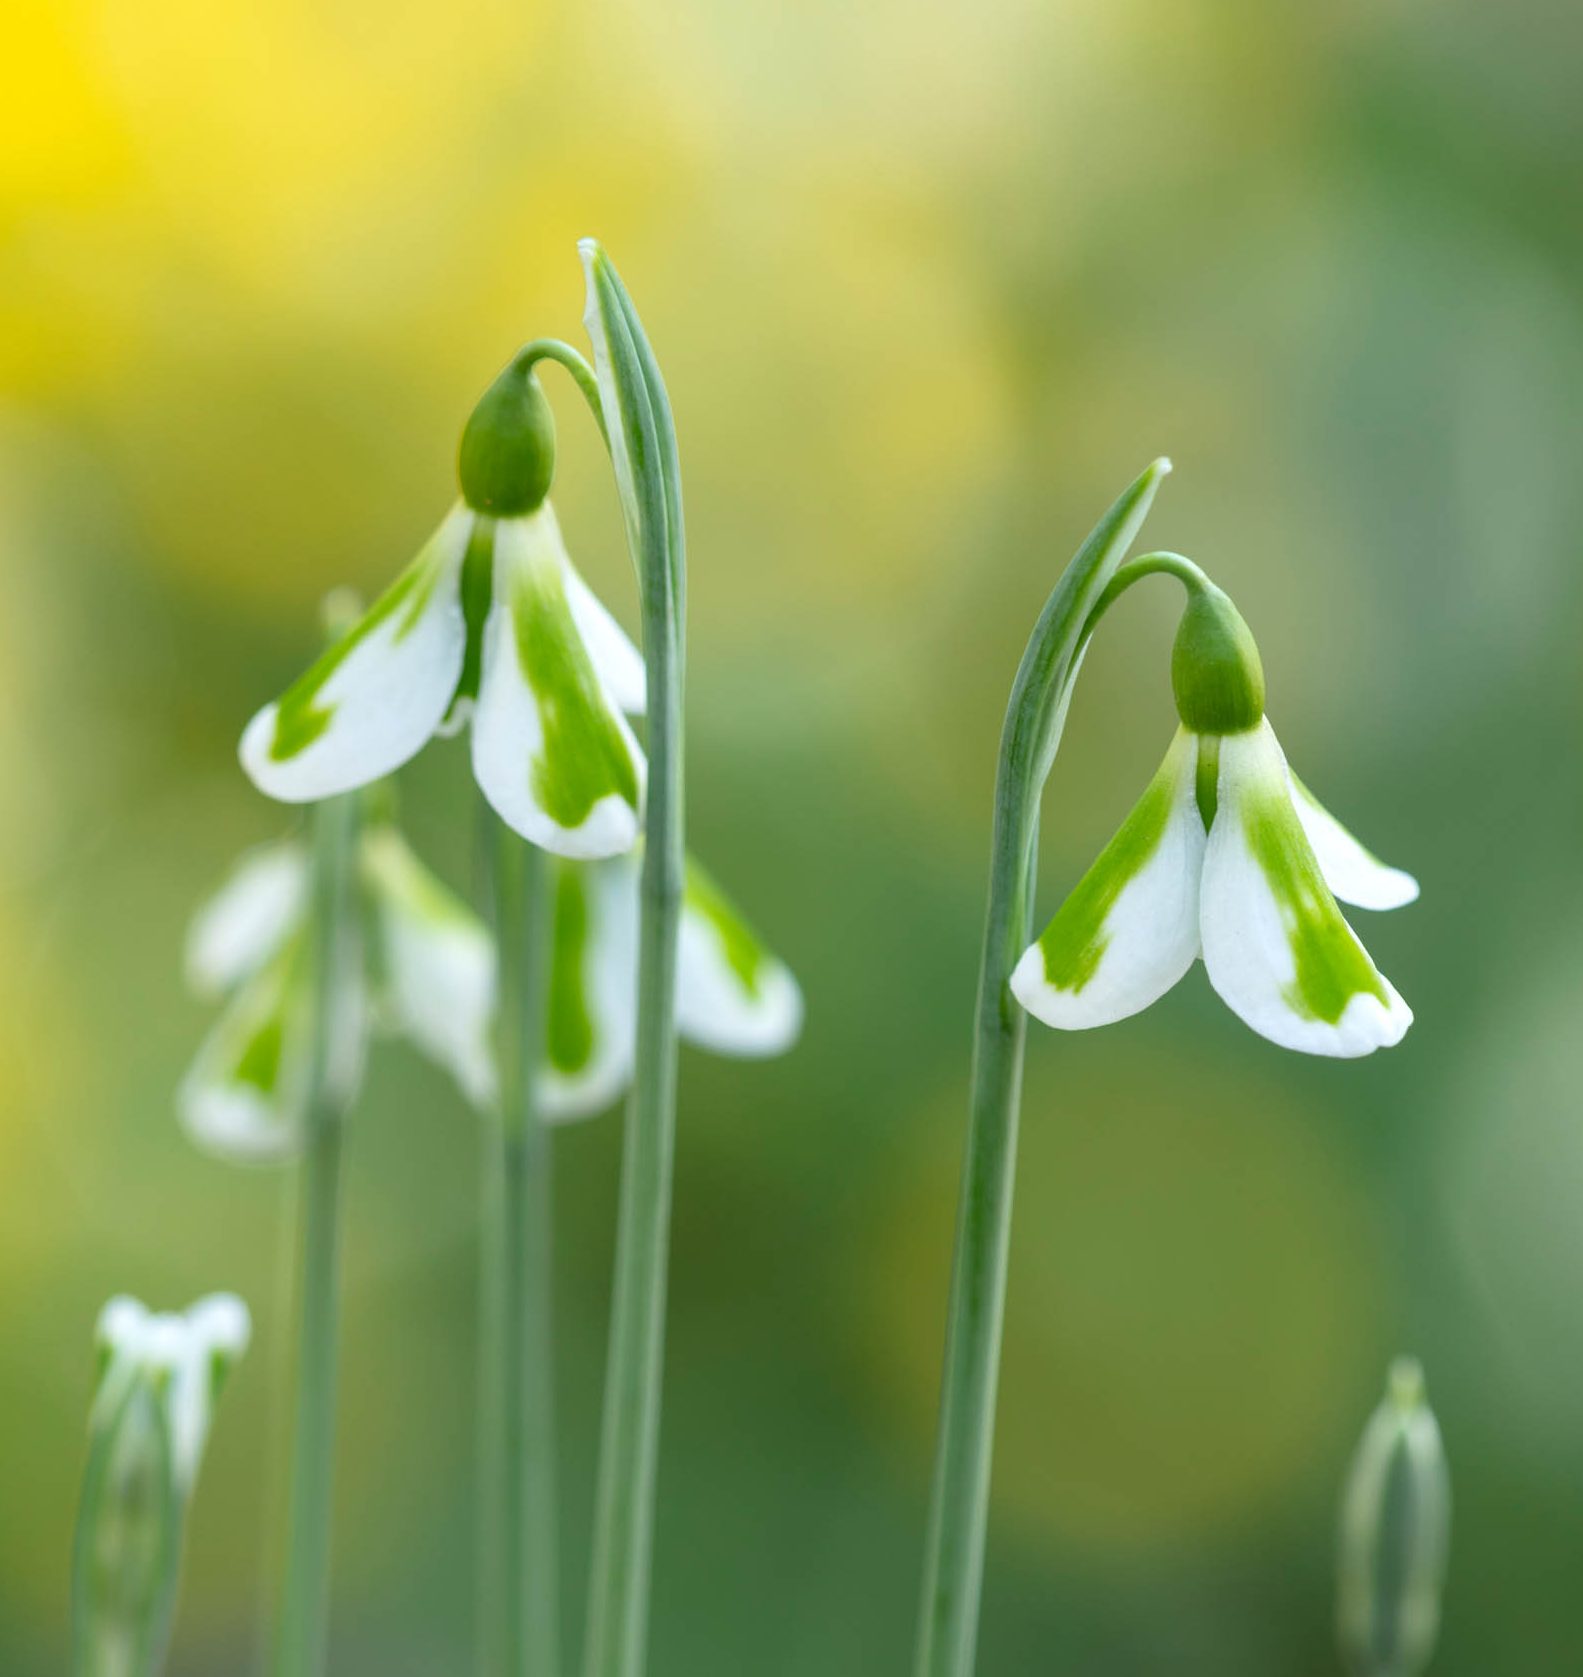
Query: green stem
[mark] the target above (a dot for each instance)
(959, 1501)
(304, 1608)
(643, 440)
(519, 1575)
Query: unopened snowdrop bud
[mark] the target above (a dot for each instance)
(1216, 674)
(507, 459)
(1395, 1534)
(159, 1377)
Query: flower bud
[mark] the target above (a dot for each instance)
(1216, 674)
(507, 459)
(128, 1529)
(1395, 1533)
(158, 1379)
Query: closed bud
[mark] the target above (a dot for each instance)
(128, 1531)
(158, 1379)
(1395, 1535)
(507, 460)
(1216, 673)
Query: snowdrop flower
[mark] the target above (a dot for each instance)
(159, 1378)
(423, 968)
(1229, 857)
(490, 622)
(732, 996)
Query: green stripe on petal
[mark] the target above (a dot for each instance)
(1331, 966)
(551, 750)
(569, 1039)
(732, 995)
(1129, 930)
(1276, 947)
(743, 952)
(377, 694)
(585, 755)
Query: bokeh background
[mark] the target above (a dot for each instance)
(930, 283)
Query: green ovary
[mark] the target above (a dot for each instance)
(299, 718)
(585, 756)
(743, 952)
(569, 1036)
(1331, 965)
(1075, 941)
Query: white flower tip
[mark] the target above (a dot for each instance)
(234, 1125)
(1033, 990)
(1162, 466)
(222, 1324)
(122, 1323)
(282, 781)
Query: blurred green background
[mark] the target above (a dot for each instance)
(930, 283)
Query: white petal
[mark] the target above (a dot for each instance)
(590, 1042)
(249, 918)
(732, 995)
(1129, 930)
(551, 749)
(244, 1099)
(1276, 947)
(618, 661)
(438, 964)
(379, 693)
(1355, 874)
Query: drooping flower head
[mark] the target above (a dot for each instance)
(490, 623)
(1229, 857)
(422, 968)
(425, 969)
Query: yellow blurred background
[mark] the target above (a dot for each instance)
(930, 283)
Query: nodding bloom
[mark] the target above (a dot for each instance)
(732, 996)
(159, 1378)
(1227, 856)
(490, 623)
(423, 968)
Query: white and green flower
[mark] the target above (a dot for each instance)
(490, 622)
(423, 968)
(1228, 857)
(185, 1357)
(733, 997)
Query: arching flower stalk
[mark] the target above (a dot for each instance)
(1225, 856)
(159, 1379)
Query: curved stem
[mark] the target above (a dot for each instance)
(959, 1501)
(519, 1574)
(553, 349)
(643, 450)
(304, 1608)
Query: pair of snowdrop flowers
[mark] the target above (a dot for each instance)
(423, 967)
(1228, 857)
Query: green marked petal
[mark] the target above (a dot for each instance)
(1129, 930)
(593, 983)
(551, 750)
(1276, 946)
(375, 697)
(732, 995)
